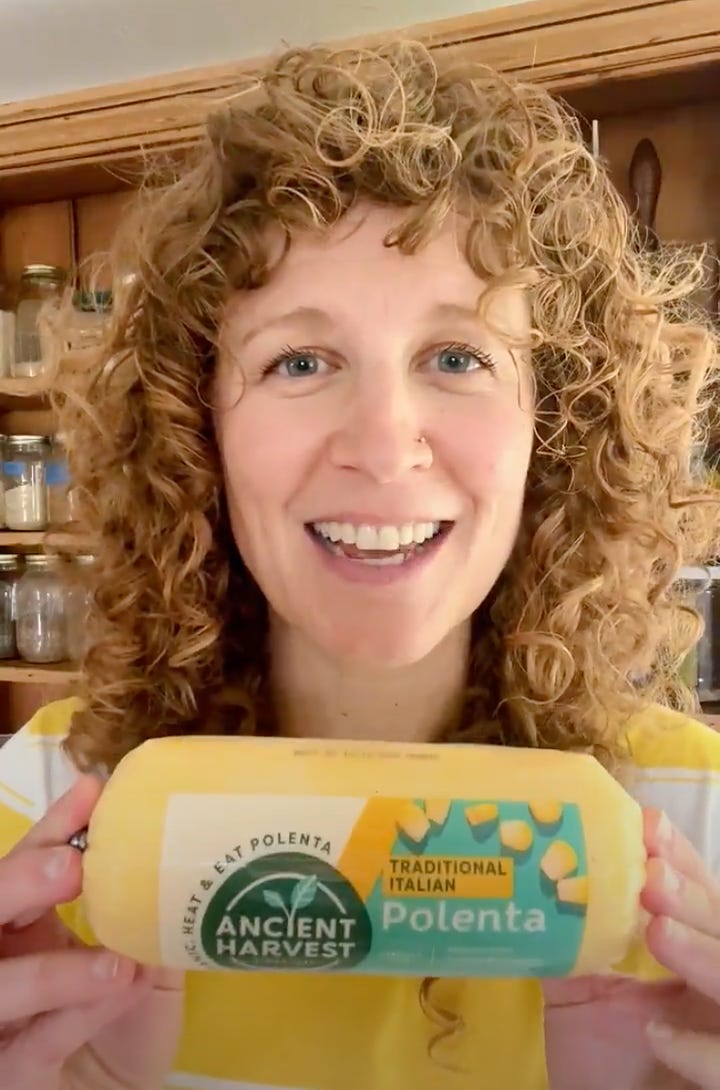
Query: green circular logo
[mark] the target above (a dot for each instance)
(286, 911)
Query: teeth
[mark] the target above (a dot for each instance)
(377, 538)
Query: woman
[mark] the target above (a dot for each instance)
(391, 441)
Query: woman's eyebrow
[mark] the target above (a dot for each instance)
(310, 315)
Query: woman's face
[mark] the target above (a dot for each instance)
(375, 436)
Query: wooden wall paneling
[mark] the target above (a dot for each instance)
(98, 218)
(36, 234)
(561, 43)
(685, 139)
(18, 702)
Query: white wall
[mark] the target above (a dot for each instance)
(50, 46)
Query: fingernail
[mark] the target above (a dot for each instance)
(674, 930)
(107, 966)
(57, 863)
(661, 1031)
(664, 829)
(24, 920)
(670, 880)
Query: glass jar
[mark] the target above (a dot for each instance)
(3, 441)
(24, 480)
(78, 597)
(7, 332)
(40, 611)
(708, 650)
(57, 479)
(41, 289)
(89, 319)
(9, 577)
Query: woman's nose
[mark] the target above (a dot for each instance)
(382, 437)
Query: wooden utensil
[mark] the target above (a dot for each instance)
(645, 177)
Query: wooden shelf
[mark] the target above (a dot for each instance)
(33, 673)
(19, 392)
(17, 539)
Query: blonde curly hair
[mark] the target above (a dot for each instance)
(583, 625)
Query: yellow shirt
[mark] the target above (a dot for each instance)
(304, 1032)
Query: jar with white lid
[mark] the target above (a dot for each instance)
(9, 577)
(40, 295)
(40, 628)
(24, 480)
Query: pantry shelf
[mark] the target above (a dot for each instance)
(31, 673)
(17, 392)
(17, 539)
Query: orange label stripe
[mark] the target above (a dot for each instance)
(371, 844)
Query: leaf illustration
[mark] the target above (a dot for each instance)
(272, 897)
(304, 892)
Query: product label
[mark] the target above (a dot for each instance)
(57, 473)
(14, 469)
(380, 886)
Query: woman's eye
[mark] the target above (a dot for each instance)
(458, 361)
(297, 365)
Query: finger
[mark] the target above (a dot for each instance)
(70, 813)
(47, 933)
(33, 881)
(151, 1055)
(662, 839)
(692, 956)
(51, 1038)
(38, 983)
(667, 892)
(694, 1056)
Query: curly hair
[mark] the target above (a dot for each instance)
(584, 624)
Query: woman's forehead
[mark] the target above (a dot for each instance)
(350, 262)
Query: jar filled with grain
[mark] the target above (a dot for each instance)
(24, 480)
(40, 625)
(9, 577)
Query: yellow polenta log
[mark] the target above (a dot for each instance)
(252, 853)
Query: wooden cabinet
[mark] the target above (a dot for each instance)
(641, 69)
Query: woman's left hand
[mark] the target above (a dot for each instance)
(619, 1031)
(684, 935)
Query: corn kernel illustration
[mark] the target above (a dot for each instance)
(559, 861)
(413, 822)
(546, 812)
(481, 816)
(437, 810)
(573, 891)
(516, 835)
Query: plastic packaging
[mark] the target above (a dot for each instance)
(378, 858)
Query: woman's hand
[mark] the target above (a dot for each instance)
(73, 1017)
(684, 935)
(601, 1031)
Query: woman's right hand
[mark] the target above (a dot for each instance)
(73, 1017)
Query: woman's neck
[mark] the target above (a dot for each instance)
(315, 696)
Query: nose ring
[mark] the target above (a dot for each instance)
(428, 456)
